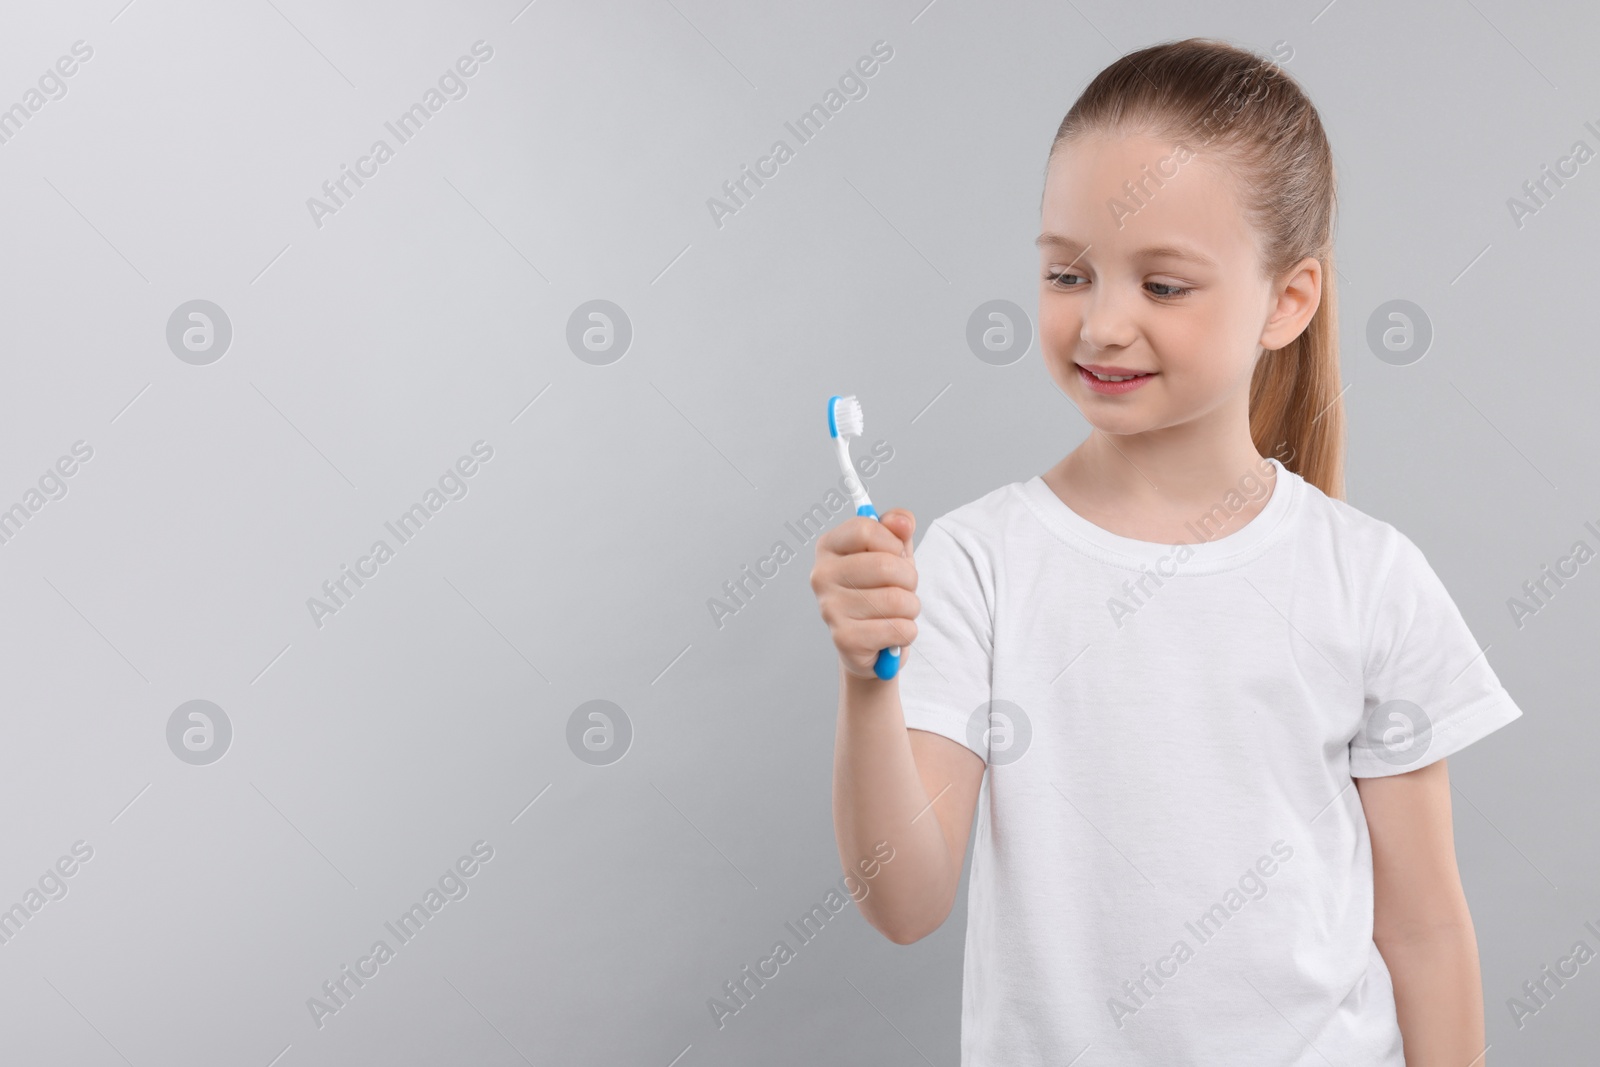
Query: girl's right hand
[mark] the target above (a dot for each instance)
(865, 580)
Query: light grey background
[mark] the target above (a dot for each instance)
(431, 312)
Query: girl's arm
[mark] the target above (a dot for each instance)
(914, 789)
(1420, 921)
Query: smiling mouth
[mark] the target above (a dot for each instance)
(1113, 374)
(1104, 384)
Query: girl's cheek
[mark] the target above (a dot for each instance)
(1057, 332)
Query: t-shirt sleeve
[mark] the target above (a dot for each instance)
(1430, 691)
(946, 677)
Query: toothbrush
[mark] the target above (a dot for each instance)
(845, 421)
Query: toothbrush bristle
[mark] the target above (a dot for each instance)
(848, 418)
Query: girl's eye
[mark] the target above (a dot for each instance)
(1176, 292)
(1059, 278)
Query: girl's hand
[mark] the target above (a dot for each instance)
(865, 580)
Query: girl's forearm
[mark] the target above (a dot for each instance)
(1438, 995)
(878, 796)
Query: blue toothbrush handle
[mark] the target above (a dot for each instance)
(888, 662)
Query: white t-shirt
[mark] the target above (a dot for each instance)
(1172, 864)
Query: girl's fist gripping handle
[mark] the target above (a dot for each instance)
(889, 658)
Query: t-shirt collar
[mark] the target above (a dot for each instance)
(1200, 556)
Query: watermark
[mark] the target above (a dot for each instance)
(52, 885)
(1539, 992)
(737, 590)
(1138, 197)
(453, 885)
(1136, 993)
(599, 332)
(52, 485)
(52, 85)
(199, 332)
(1399, 332)
(1537, 192)
(1137, 593)
(1002, 729)
(599, 732)
(999, 332)
(736, 192)
(1397, 732)
(1248, 87)
(741, 991)
(452, 85)
(452, 486)
(199, 732)
(1538, 591)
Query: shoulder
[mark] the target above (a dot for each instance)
(978, 523)
(974, 543)
(1386, 577)
(1392, 591)
(1368, 545)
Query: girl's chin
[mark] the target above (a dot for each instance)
(1117, 414)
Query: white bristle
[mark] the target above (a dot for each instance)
(847, 417)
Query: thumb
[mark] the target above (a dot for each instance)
(901, 523)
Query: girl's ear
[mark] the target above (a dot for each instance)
(1298, 296)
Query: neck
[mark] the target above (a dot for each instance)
(1175, 470)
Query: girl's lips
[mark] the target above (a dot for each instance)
(1111, 388)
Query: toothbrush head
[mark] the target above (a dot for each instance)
(845, 418)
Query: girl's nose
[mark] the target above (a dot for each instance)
(1107, 321)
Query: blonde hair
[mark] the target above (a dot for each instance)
(1243, 108)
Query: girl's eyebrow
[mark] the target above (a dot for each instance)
(1152, 252)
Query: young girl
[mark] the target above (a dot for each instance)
(1214, 700)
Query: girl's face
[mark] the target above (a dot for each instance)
(1164, 280)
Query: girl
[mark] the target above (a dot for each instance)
(1214, 700)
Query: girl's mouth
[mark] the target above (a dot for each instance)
(1106, 386)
